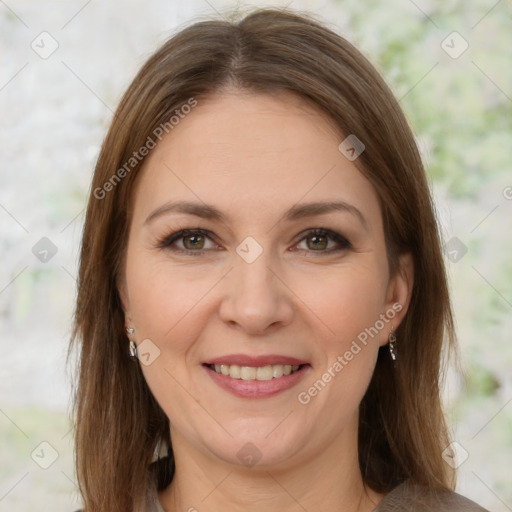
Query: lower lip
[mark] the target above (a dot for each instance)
(257, 388)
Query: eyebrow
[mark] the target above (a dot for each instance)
(296, 212)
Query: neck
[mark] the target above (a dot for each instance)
(332, 478)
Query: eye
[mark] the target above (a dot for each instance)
(320, 241)
(193, 241)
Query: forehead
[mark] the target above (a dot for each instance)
(248, 152)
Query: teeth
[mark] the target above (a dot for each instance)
(234, 370)
(255, 373)
(248, 372)
(277, 370)
(264, 373)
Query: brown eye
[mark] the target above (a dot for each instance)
(187, 241)
(193, 242)
(319, 240)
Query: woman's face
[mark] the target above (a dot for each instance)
(258, 290)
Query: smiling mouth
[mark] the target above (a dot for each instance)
(267, 372)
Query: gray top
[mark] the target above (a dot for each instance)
(410, 497)
(407, 497)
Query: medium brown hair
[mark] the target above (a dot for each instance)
(402, 430)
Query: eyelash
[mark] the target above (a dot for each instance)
(166, 242)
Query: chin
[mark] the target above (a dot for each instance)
(255, 455)
(254, 447)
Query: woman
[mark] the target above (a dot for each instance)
(262, 299)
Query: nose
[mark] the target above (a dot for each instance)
(256, 299)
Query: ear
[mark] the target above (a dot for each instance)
(399, 291)
(122, 288)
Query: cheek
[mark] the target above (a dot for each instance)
(164, 298)
(168, 306)
(346, 301)
(348, 304)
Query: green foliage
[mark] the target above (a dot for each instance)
(463, 106)
(481, 381)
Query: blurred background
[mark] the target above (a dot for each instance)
(63, 68)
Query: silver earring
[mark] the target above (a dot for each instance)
(132, 347)
(161, 450)
(392, 346)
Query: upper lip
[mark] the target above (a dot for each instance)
(247, 360)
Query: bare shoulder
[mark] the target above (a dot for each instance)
(410, 496)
